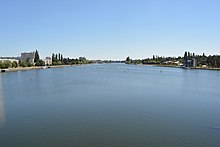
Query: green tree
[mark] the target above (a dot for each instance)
(90, 62)
(23, 64)
(1, 64)
(54, 63)
(61, 58)
(53, 57)
(128, 60)
(7, 64)
(185, 55)
(185, 59)
(40, 63)
(37, 57)
(14, 64)
(56, 57)
(189, 55)
(59, 63)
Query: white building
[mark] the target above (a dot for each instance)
(48, 61)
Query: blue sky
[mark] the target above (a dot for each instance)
(109, 29)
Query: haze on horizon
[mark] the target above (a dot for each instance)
(109, 29)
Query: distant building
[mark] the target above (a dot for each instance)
(28, 57)
(48, 61)
(194, 62)
(190, 63)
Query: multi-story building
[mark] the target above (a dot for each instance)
(28, 57)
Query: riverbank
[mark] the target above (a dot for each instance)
(30, 68)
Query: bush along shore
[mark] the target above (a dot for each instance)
(189, 61)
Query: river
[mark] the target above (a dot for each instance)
(110, 105)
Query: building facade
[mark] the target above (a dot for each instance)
(48, 61)
(28, 57)
(190, 63)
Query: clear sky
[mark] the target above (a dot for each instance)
(109, 29)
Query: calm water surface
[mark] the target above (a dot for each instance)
(110, 105)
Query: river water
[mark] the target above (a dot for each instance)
(110, 105)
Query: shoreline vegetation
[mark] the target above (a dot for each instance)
(188, 61)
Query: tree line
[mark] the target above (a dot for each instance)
(80, 60)
(211, 61)
(8, 64)
(57, 59)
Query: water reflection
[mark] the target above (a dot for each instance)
(2, 113)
